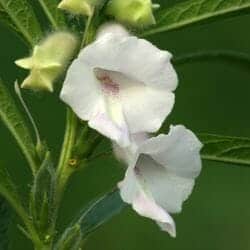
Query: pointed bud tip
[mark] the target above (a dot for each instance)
(136, 13)
(112, 28)
(77, 7)
(48, 61)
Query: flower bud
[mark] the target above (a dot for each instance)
(111, 28)
(79, 7)
(137, 13)
(48, 61)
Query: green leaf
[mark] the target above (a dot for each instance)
(100, 212)
(71, 239)
(55, 15)
(5, 216)
(14, 121)
(90, 218)
(234, 150)
(195, 11)
(42, 196)
(9, 192)
(19, 16)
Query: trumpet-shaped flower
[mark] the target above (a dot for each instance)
(162, 175)
(121, 85)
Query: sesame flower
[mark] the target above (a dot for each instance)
(162, 175)
(121, 85)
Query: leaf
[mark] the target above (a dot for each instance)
(19, 16)
(100, 212)
(226, 149)
(92, 217)
(9, 192)
(42, 196)
(5, 217)
(54, 14)
(14, 121)
(196, 11)
(71, 239)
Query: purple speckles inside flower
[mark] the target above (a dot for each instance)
(108, 85)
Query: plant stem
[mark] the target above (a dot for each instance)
(64, 170)
(87, 37)
(49, 15)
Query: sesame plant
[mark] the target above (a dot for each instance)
(94, 55)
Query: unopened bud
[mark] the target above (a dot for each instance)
(48, 61)
(136, 13)
(79, 7)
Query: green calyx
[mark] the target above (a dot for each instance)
(136, 13)
(48, 61)
(79, 7)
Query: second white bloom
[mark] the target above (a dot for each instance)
(161, 175)
(121, 85)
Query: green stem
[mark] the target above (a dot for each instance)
(87, 36)
(63, 169)
(49, 15)
(214, 54)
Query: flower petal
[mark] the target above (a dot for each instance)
(81, 90)
(83, 93)
(168, 190)
(146, 108)
(144, 204)
(104, 124)
(136, 58)
(178, 152)
(127, 154)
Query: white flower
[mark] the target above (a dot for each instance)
(121, 85)
(162, 176)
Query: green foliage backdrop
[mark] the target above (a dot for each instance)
(213, 96)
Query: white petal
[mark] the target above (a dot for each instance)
(83, 93)
(178, 152)
(135, 58)
(127, 154)
(146, 108)
(113, 28)
(104, 124)
(143, 61)
(81, 90)
(168, 190)
(143, 203)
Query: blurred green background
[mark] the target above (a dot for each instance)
(212, 97)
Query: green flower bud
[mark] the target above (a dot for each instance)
(79, 7)
(48, 61)
(137, 13)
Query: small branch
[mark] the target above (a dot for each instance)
(25, 107)
(49, 15)
(87, 29)
(212, 55)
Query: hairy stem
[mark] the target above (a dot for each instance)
(64, 170)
